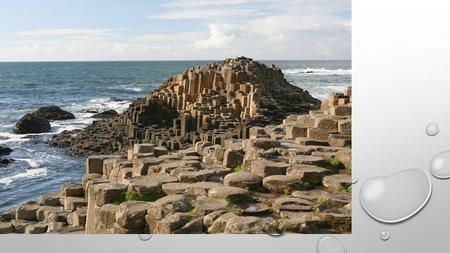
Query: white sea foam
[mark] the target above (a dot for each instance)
(30, 173)
(318, 72)
(30, 162)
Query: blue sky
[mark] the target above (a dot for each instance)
(48, 30)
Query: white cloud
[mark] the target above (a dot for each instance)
(65, 32)
(207, 13)
(221, 36)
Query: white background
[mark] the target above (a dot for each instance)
(401, 82)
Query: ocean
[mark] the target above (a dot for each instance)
(84, 87)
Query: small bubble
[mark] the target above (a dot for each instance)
(330, 244)
(274, 232)
(397, 197)
(145, 237)
(432, 129)
(354, 179)
(440, 165)
(384, 236)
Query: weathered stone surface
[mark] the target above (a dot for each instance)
(44, 212)
(307, 173)
(50, 199)
(60, 216)
(227, 192)
(168, 205)
(53, 113)
(27, 212)
(144, 186)
(211, 217)
(256, 209)
(232, 158)
(106, 193)
(291, 204)
(201, 188)
(19, 226)
(141, 166)
(206, 205)
(72, 190)
(308, 160)
(131, 214)
(278, 183)
(6, 228)
(105, 114)
(245, 180)
(94, 164)
(266, 168)
(78, 217)
(345, 156)
(72, 203)
(246, 225)
(175, 188)
(105, 217)
(265, 143)
(219, 224)
(38, 228)
(339, 140)
(311, 195)
(31, 124)
(178, 223)
(334, 182)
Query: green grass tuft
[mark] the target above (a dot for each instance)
(336, 164)
(238, 168)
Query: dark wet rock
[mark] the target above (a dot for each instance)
(5, 151)
(116, 99)
(32, 124)
(105, 114)
(5, 161)
(53, 113)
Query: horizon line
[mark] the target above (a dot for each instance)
(176, 60)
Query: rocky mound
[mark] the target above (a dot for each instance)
(209, 103)
(293, 177)
(105, 114)
(38, 121)
(32, 124)
(53, 113)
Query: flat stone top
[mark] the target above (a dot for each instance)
(227, 191)
(242, 177)
(135, 206)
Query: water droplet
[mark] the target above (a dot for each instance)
(432, 129)
(274, 232)
(330, 244)
(440, 165)
(145, 237)
(384, 236)
(396, 197)
(354, 179)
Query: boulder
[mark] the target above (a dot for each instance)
(219, 224)
(19, 226)
(178, 223)
(265, 143)
(308, 160)
(105, 114)
(44, 212)
(53, 113)
(71, 190)
(242, 179)
(31, 124)
(201, 188)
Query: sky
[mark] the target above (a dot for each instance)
(86, 30)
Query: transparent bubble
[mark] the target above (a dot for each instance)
(145, 237)
(440, 165)
(384, 236)
(432, 129)
(396, 197)
(354, 179)
(330, 244)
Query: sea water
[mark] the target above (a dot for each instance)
(87, 87)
